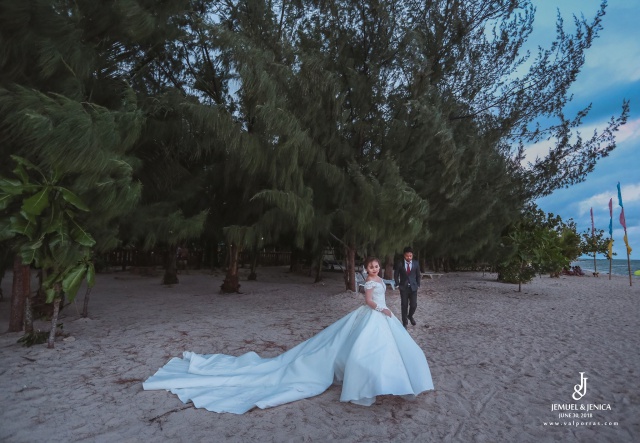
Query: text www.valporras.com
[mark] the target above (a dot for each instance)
(580, 423)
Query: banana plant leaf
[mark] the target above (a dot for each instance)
(37, 203)
(80, 236)
(70, 197)
(21, 225)
(73, 279)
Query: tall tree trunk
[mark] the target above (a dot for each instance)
(54, 323)
(28, 315)
(292, 259)
(28, 305)
(85, 305)
(227, 257)
(232, 281)
(4, 256)
(254, 264)
(319, 266)
(350, 273)
(19, 293)
(214, 256)
(171, 270)
(388, 267)
(295, 265)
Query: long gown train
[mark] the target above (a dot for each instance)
(369, 353)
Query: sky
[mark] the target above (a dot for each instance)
(611, 73)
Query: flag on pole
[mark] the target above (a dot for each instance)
(620, 196)
(611, 216)
(610, 251)
(626, 242)
(611, 227)
(611, 207)
(623, 222)
(610, 246)
(593, 228)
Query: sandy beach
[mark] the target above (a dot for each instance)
(501, 362)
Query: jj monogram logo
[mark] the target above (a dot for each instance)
(580, 390)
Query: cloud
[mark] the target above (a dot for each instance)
(628, 133)
(599, 66)
(630, 193)
(536, 150)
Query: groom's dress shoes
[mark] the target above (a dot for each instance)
(413, 322)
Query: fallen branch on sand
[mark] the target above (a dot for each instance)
(170, 412)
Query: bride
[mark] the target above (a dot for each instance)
(368, 351)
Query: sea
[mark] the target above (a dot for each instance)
(618, 266)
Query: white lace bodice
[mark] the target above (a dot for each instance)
(379, 290)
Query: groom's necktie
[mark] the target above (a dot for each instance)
(408, 267)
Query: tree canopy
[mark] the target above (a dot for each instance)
(372, 123)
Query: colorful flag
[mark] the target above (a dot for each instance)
(626, 242)
(611, 207)
(623, 222)
(611, 216)
(610, 252)
(593, 228)
(620, 196)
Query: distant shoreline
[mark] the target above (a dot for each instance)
(618, 266)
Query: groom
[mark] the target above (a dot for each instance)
(407, 277)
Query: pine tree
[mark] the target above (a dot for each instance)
(262, 178)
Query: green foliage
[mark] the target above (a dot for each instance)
(45, 221)
(378, 124)
(415, 90)
(515, 272)
(538, 243)
(591, 244)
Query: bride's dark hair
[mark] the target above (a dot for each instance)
(370, 260)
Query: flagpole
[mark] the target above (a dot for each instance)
(610, 257)
(629, 266)
(595, 248)
(610, 252)
(623, 222)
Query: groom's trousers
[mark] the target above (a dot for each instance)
(408, 303)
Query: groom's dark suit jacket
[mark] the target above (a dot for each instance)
(401, 277)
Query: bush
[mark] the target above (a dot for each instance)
(538, 243)
(514, 273)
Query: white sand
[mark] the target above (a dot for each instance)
(499, 360)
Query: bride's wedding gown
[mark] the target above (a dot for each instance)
(369, 353)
